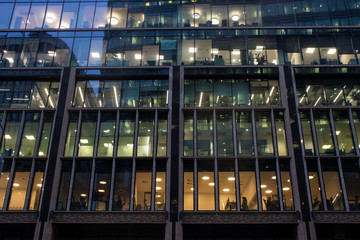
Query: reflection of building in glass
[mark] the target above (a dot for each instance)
(179, 120)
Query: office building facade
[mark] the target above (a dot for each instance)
(195, 119)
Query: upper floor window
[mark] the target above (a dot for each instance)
(121, 93)
(28, 94)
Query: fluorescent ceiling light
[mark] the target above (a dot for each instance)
(107, 130)
(214, 50)
(39, 185)
(215, 21)
(205, 178)
(101, 190)
(16, 185)
(52, 53)
(95, 54)
(113, 21)
(259, 48)
(158, 179)
(211, 184)
(196, 15)
(236, 52)
(331, 51)
(192, 50)
(310, 50)
(84, 141)
(268, 191)
(83, 195)
(11, 60)
(263, 186)
(286, 189)
(192, 189)
(226, 190)
(231, 178)
(102, 182)
(30, 137)
(138, 56)
(235, 18)
(326, 147)
(7, 136)
(273, 177)
(158, 188)
(49, 20)
(311, 177)
(338, 132)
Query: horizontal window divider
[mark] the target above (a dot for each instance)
(181, 28)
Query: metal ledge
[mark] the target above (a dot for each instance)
(18, 217)
(239, 218)
(336, 217)
(109, 217)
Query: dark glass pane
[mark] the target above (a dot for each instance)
(80, 191)
(122, 188)
(64, 185)
(102, 183)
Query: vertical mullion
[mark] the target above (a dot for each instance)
(237, 177)
(333, 132)
(153, 184)
(342, 182)
(276, 151)
(19, 135)
(113, 171)
(341, 176)
(38, 139)
(71, 184)
(8, 188)
(97, 134)
(77, 137)
(116, 140)
(133, 173)
(196, 208)
(2, 132)
(257, 171)
(195, 133)
(30, 183)
(92, 180)
(353, 132)
(112, 182)
(155, 134)
(321, 182)
(216, 172)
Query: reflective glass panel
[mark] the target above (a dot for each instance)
(162, 134)
(307, 134)
(333, 191)
(11, 133)
(316, 199)
(286, 185)
(4, 179)
(142, 198)
(224, 128)
(80, 190)
(352, 179)
(29, 134)
(71, 135)
(145, 134)
(87, 134)
(130, 93)
(102, 183)
(206, 185)
(188, 134)
(343, 132)
(188, 185)
(37, 185)
(86, 15)
(227, 192)
(205, 142)
(126, 134)
(244, 133)
(280, 133)
(19, 185)
(36, 15)
(69, 15)
(20, 15)
(52, 17)
(122, 188)
(64, 185)
(160, 193)
(107, 134)
(268, 185)
(248, 193)
(45, 135)
(204, 93)
(323, 132)
(264, 133)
